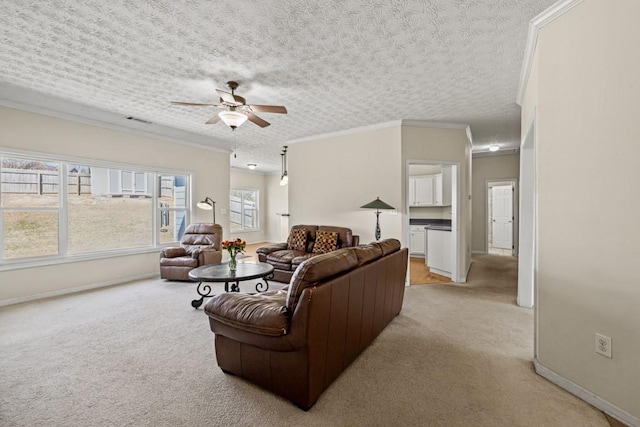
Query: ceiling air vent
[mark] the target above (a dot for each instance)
(135, 119)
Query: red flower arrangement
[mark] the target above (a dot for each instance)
(234, 247)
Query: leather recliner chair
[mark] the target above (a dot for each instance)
(199, 245)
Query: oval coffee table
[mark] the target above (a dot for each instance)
(221, 273)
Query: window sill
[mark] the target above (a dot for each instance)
(42, 262)
(246, 231)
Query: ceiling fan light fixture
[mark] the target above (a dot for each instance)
(233, 119)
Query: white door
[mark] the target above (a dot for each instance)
(502, 216)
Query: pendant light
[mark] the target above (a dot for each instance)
(284, 178)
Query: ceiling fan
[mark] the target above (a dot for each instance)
(237, 110)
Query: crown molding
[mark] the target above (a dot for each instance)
(554, 11)
(384, 125)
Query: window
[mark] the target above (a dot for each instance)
(103, 217)
(244, 210)
(30, 205)
(59, 208)
(172, 207)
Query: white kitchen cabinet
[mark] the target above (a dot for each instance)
(417, 243)
(439, 250)
(421, 191)
(442, 187)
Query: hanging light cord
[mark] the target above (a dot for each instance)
(235, 142)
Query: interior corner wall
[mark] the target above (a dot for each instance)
(588, 99)
(43, 134)
(443, 145)
(486, 169)
(252, 181)
(277, 204)
(330, 178)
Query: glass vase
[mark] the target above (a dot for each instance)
(233, 263)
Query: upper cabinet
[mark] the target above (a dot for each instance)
(431, 190)
(423, 191)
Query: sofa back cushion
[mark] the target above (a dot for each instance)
(366, 253)
(201, 235)
(388, 246)
(316, 269)
(298, 239)
(345, 235)
(326, 241)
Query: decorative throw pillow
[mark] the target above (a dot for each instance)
(297, 239)
(326, 241)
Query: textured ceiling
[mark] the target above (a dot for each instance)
(335, 65)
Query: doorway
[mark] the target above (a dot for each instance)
(438, 211)
(501, 228)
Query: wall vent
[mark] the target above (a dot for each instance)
(135, 119)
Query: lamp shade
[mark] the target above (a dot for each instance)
(204, 205)
(233, 119)
(208, 205)
(377, 204)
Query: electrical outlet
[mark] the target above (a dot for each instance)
(603, 345)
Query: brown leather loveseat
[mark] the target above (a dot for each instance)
(199, 245)
(286, 257)
(296, 341)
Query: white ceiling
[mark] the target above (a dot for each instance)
(335, 65)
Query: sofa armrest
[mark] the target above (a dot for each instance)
(172, 252)
(207, 256)
(266, 250)
(262, 314)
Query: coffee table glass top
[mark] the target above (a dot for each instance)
(222, 273)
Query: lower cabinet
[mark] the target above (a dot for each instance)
(417, 244)
(439, 250)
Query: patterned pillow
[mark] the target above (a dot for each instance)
(297, 239)
(326, 241)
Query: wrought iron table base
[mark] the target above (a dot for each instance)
(230, 286)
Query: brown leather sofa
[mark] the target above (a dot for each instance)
(199, 245)
(286, 260)
(296, 341)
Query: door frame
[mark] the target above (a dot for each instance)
(457, 261)
(514, 209)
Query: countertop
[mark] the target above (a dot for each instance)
(433, 224)
(438, 227)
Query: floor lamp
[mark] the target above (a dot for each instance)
(377, 204)
(207, 204)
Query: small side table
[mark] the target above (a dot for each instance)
(221, 273)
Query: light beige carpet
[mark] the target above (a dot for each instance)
(140, 355)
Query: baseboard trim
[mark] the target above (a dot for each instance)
(584, 394)
(76, 289)
(479, 252)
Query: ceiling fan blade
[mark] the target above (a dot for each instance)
(213, 120)
(257, 120)
(280, 109)
(229, 97)
(193, 104)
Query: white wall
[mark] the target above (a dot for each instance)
(587, 100)
(484, 169)
(34, 132)
(444, 145)
(330, 178)
(277, 204)
(246, 180)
